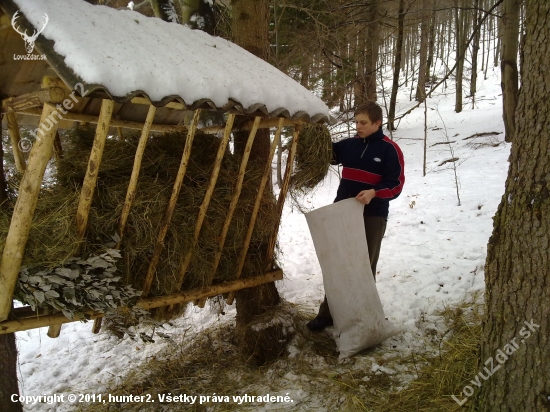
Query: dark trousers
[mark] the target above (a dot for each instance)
(375, 227)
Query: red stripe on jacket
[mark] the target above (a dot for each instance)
(390, 193)
(359, 175)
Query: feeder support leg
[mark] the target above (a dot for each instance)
(23, 212)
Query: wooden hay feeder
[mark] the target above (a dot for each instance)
(50, 95)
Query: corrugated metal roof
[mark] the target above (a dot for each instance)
(18, 77)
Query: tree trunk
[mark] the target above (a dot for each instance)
(461, 22)
(367, 53)
(509, 64)
(424, 43)
(518, 254)
(475, 51)
(250, 23)
(397, 64)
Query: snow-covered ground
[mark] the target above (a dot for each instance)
(432, 255)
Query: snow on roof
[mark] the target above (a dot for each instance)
(125, 52)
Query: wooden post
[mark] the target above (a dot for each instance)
(33, 320)
(263, 182)
(90, 180)
(283, 192)
(171, 204)
(54, 331)
(21, 220)
(97, 325)
(15, 138)
(131, 193)
(206, 200)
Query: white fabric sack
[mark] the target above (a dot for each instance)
(338, 233)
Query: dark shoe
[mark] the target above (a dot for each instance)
(319, 323)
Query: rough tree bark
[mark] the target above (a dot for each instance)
(509, 64)
(517, 270)
(250, 24)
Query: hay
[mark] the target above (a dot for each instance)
(52, 237)
(313, 158)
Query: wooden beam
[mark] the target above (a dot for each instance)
(257, 204)
(21, 220)
(206, 201)
(54, 95)
(126, 124)
(165, 223)
(30, 320)
(132, 186)
(264, 124)
(90, 180)
(15, 138)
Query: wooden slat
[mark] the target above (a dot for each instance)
(15, 138)
(131, 193)
(90, 180)
(206, 201)
(21, 220)
(171, 204)
(236, 195)
(282, 194)
(263, 183)
(264, 124)
(31, 321)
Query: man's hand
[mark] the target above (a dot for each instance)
(365, 196)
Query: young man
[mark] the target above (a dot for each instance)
(373, 173)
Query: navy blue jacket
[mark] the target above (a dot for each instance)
(374, 162)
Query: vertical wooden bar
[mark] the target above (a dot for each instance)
(263, 182)
(171, 205)
(283, 192)
(237, 194)
(21, 220)
(97, 325)
(15, 138)
(54, 331)
(90, 180)
(207, 197)
(131, 193)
